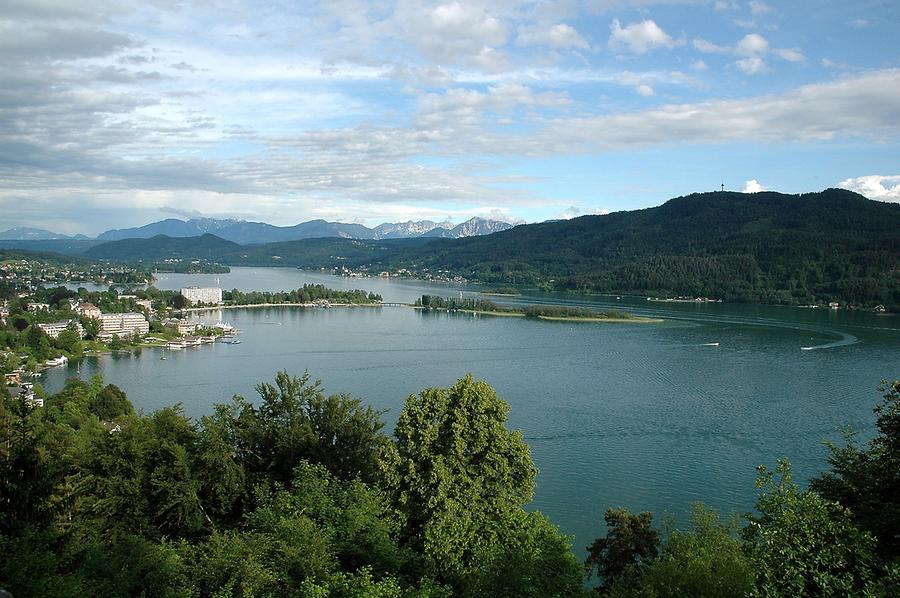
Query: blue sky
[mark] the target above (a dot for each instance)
(115, 114)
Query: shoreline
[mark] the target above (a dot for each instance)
(258, 305)
(634, 320)
(505, 314)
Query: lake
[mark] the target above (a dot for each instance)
(647, 416)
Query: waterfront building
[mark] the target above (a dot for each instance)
(25, 392)
(54, 328)
(203, 295)
(181, 326)
(124, 324)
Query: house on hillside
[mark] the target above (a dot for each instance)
(88, 310)
(25, 392)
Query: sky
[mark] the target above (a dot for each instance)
(116, 114)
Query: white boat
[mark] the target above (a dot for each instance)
(62, 360)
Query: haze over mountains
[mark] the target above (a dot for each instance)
(247, 233)
(25, 233)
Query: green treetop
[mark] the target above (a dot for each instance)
(456, 473)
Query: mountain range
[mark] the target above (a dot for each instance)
(254, 233)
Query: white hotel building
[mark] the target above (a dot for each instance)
(54, 328)
(206, 296)
(123, 324)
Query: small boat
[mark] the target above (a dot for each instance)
(163, 358)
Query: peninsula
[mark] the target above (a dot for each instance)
(537, 312)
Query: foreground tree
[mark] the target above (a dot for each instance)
(630, 542)
(460, 478)
(804, 545)
(295, 422)
(26, 474)
(530, 559)
(704, 561)
(867, 481)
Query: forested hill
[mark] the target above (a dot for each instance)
(766, 247)
(208, 247)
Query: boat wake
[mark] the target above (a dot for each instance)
(846, 339)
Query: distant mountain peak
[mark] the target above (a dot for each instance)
(25, 233)
(473, 227)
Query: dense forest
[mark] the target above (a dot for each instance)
(302, 494)
(763, 247)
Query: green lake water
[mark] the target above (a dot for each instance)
(648, 416)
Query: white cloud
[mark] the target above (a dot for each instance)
(721, 5)
(755, 48)
(864, 106)
(465, 107)
(752, 65)
(753, 186)
(560, 36)
(464, 20)
(757, 7)
(752, 50)
(752, 45)
(699, 65)
(642, 82)
(838, 65)
(790, 54)
(575, 212)
(499, 214)
(708, 47)
(859, 23)
(470, 34)
(883, 188)
(639, 38)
